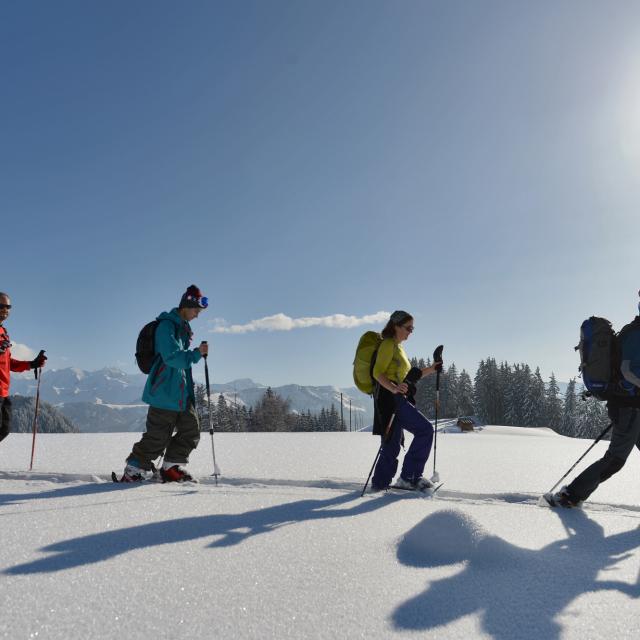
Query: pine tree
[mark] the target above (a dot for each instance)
(536, 401)
(223, 421)
(272, 413)
(426, 393)
(322, 420)
(450, 396)
(553, 404)
(200, 392)
(569, 410)
(333, 420)
(590, 418)
(488, 392)
(465, 394)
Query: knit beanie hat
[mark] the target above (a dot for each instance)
(192, 298)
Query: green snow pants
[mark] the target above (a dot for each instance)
(159, 438)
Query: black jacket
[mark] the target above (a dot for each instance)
(384, 402)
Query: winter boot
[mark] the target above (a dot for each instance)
(134, 473)
(562, 499)
(175, 473)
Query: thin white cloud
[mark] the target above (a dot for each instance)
(282, 322)
(22, 352)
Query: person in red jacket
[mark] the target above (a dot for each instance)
(7, 365)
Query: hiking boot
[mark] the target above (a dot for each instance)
(562, 499)
(176, 473)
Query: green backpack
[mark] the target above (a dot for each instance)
(364, 361)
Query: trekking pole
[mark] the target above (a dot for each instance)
(437, 359)
(216, 469)
(35, 416)
(373, 466)
(595, 442)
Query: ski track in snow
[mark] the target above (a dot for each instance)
(225, 484)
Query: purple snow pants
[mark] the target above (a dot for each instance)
(409, 418)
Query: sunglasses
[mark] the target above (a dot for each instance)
(5, 306)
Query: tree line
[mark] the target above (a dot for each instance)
(513, 395)
(50, 419)
(271, 413)
(505, 394)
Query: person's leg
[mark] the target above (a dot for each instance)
(625, 434)
(186, 438)
(5, 418)
(387, 464)
(160, 425)
(416, 457)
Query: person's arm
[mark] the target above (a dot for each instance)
(427, 371)
(171, 351)
(630, 367)
(19, 365)
(24, 365)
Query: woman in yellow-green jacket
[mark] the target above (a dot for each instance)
(394, 409)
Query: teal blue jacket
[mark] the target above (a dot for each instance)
(170, 383)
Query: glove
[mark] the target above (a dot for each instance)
(5, 344)
(38, 361)
(438, 365)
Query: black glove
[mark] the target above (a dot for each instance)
(38, 361)
(5, 343)
(413, 376)
(438, 365)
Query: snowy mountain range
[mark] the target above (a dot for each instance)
(109, 400)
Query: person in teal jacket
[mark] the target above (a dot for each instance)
(170, 395)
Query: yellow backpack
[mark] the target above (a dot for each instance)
(364, 361)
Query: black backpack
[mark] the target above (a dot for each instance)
(600, 359)
(146, 346)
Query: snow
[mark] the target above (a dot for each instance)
(285, 547)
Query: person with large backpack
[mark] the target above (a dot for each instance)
(163, 352)
(610, 366)
(394, 409)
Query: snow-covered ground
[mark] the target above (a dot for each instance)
(285, 547)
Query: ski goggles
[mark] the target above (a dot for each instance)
(202, 302)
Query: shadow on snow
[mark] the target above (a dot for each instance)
(516, 592)
(233, 530)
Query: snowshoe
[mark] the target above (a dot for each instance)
(421, 484)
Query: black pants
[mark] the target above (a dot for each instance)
(5, 418)
(625, 436)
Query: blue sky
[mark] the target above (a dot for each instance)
(475, 163)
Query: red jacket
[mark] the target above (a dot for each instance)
(8, 364)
